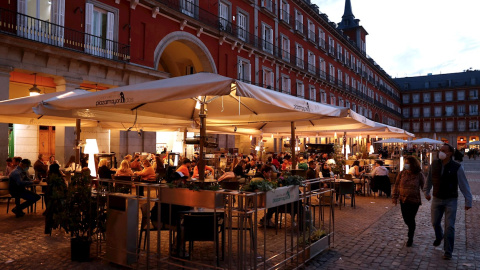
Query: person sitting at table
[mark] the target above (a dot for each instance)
(103, 169)
(251, 165)
(239, 169)
(356, 174)
(286, 164)
(40, 167)
(265, 174)
(185, 167)
(326, 170)
(270, 163)
(208, 171)
(124, 169)
(136, 164)
(302, 165)
(311, 173)
(18, 180)
(10, 167)
(159, 166)
(148, 173)
(275, 161)
(70, 165)
(380, 180)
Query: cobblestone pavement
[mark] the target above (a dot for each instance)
(370, 236)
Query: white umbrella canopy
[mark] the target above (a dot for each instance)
(392, 140)
(426, 141)
(174, 102)
(474, 143)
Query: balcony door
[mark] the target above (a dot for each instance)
(41, 20)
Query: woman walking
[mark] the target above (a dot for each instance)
(407, 189)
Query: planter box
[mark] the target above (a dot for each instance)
(316, 248)
(186, 197)
(281, 196)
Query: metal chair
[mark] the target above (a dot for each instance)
(5, 194)
(346, 188)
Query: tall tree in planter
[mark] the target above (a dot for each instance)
(55, 199)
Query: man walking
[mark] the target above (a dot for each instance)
(446, 176)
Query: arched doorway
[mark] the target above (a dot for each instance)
(181, 53)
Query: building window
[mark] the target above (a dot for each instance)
(406, 98)
(332, 99)
(437, 96)
(321, 38)
(268, 78)
(323, 97)
(339, 77)
(267, 41)
(406, 125)
(244, 70)
(461, 125)
(311, 62)
(286, 84)
(285, 12)
(242, 21)
(339, 52)
(313, 93)
(298, 21)
(268, 4)
(224, 14)
(473, 94)
(331, 45)
(427, 126)
(332, 73)
(448, 110)
(354, 107)
(461, 110)
(438, 111)
(340, 102)
(311, 31)
(426, 111)
(299, 51)
(347, 104)
(416, 112)
(449, 96)
(188, 7)
(100, 21)
(449, 125)
(323, 68)
(438, 126)
(473, 109)
(416, 127)
(285, 48)
(300, 89)
(415, 98)
(473, 125)
(461, 95)
(426, 97)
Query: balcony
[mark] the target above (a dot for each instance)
(321, 43)
(473, 113)
(268, 6)
(299, 28)
(311, 36)
(286, 18)
(23, 26)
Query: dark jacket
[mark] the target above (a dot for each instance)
(40, 169)
(445, 185)
(18, 180)
(105, 172)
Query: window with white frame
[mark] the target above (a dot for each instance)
(311, 31)
(416, 112)
(331, 45)
(461, 110)
(354, 85)
(406, 98)
(339, 52)
(415, 98)
(370, 114)
(188, 7)
(340, 102)
(268, 78)
(285, 11)
(321, 38)
(449, 110)
(312, 93)
(347, 104)
(267, 4)
(461, 95)
(426, 111)
(347, 79)
(224, 14)
(285, 47)
(449, 96)
(286, 84)
(437, 96)
(354, 107)
(473, 124)
(352, 62)
(406, 126)
(473, 94)
(473, 109)
(426, 97)
(416, 126)
(267, 33)
(438, 111)
(323, 68)
(323, 96)
(46, 10)
(300, 53)
(427, 126)
(339, 76)
(332, 99)
(332, 73)
(244, 70)
(360, 109)
(242, 23)
(311, 62)
(449, 125)
(461, 125)
(298, 21)
(438, 126)
(101, 27)
(300, 89)
(347, 57)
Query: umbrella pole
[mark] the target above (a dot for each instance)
(77, 141)
(203, 138)
(293, 142)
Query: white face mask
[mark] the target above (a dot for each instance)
(442, 155)
(406, 166)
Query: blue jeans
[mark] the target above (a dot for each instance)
(449, 207)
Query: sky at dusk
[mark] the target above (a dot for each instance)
(416, 37)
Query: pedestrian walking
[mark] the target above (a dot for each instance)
(446, 176)
(407, 190)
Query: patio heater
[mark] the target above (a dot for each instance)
(91, 148)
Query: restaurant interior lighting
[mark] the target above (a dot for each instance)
(91, 148)
(371, 149)
(347, 169)
(430, 158)
(272, 135)
(251, 137)
(401, 163)
(34, 91)
(335, 135)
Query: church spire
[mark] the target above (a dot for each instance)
(348, 19)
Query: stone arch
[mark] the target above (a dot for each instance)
(191, 41)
